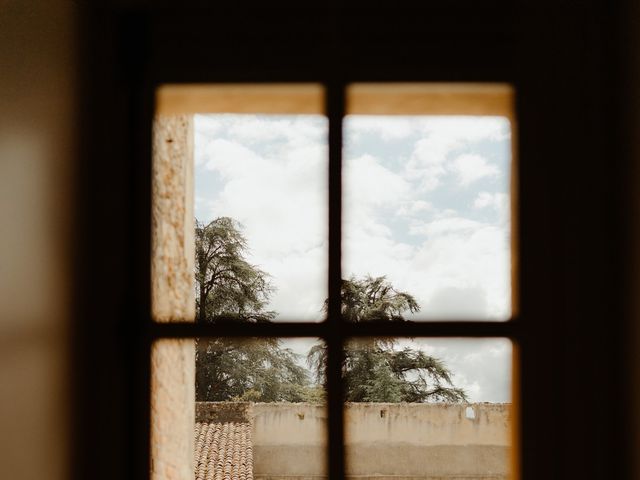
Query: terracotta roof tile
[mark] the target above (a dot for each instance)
(223, 451)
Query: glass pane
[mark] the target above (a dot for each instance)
(427, 220)
(428, 408)
(261, 216)
(260, 409)
(254, 159)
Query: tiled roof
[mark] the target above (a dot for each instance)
(223, 451)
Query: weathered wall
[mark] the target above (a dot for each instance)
(383, 441)
(427, 441)
(289, 441)
(172, 360)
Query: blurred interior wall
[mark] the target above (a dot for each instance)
(37, 154)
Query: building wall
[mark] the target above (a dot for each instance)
(289, 441)
(384, 441)
(427, 441)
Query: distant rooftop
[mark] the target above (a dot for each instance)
(223, 451)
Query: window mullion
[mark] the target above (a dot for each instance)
(335, 108)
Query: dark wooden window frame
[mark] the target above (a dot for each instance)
(334, 330)
(561, 59)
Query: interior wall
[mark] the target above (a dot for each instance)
(37, 150)
(628, 107)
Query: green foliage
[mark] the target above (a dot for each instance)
(258, 370)
(227, 286)
(230, 289)
(372, 369)
(294, 393)
(373, 299)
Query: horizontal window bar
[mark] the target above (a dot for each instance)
(345, 330)
(432, 329)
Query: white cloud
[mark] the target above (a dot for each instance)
(369, 188)
(497, 201)
(481, 366)
(453, 128)
(414, 208)
(466, 128)
(441, 137)
(427, 162)
(488, 199)
(298, 130)
(466, 259)
(459, 302)
(209, 125)
(458, 268)
(387, 128)
(277, 190)
(301, 280)
(445, 225)
(470, 168)
(231, 159)
(368, 182)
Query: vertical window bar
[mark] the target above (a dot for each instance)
(335, 112)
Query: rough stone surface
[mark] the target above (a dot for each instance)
(172, 412)
(173, 245)
(172, 361)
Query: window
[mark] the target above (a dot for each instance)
(172, 259)
(574, 245)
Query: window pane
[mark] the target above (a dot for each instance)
(427, 213)
(260, 409)
(428, 408)
(261, 209)
(254, 159)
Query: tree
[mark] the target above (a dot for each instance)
(257, 370)
(374, 300)
(228, 288)
(372, 369)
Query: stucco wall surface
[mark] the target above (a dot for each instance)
(289, 441)
(427, 441)
(384, 441)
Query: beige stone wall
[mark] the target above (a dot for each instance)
(172, 410)
(429, 441)
(289, 441)
(173, 361)
(385, 441)
(173, 245)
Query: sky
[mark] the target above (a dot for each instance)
(425, 203)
